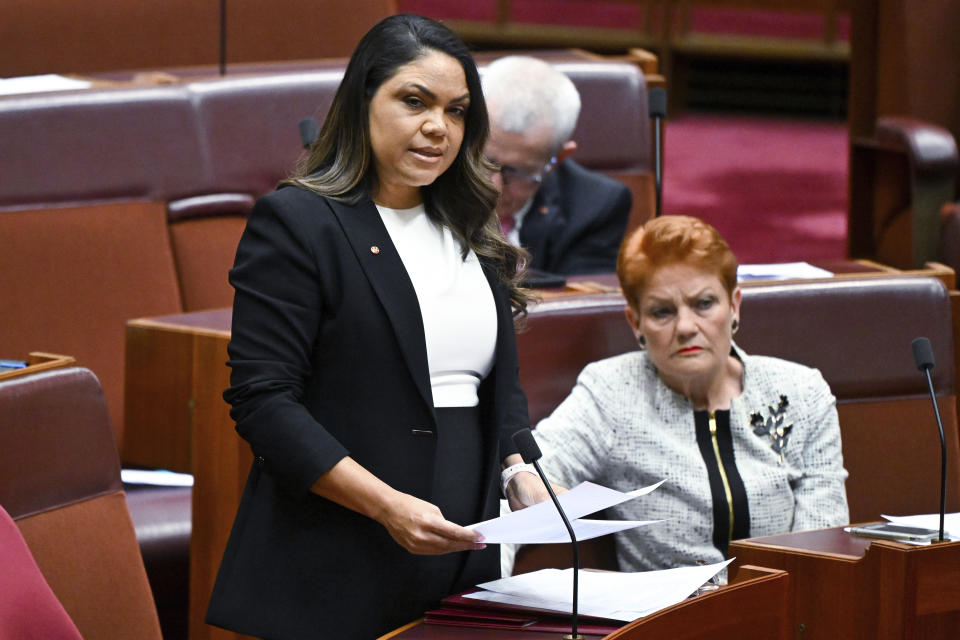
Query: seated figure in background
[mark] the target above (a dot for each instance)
(571, 219)
(748, 445)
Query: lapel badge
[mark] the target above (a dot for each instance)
(375, 250)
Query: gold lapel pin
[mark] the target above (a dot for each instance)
(375, 250)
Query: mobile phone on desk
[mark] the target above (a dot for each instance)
(891, 531)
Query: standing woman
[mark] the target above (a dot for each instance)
(374, 366)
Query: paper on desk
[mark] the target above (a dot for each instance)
(780, 271)
(604, 594)
(951, 523)
(541, 523)
(158, 478)
(36, 84)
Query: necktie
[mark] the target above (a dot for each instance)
(506, 224)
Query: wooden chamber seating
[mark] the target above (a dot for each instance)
(904, 105)
(912, 167)
(128, 201)
(57, 36)
(60, 483)
(856, 331)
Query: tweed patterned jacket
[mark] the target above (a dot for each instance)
(623, 428)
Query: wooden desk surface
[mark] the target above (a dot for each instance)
(728, 613)
(847, 586)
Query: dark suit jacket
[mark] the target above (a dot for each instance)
(576, 222)
(328, 359)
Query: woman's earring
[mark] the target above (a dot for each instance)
(642, 341)
(735, 326)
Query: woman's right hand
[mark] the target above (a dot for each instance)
(419, 527)
(526, 489)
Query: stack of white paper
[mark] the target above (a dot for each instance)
(604, 594)
(36, 84)
(781, 271)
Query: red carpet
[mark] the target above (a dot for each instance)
(776, 189)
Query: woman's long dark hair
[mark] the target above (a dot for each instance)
(340, 163)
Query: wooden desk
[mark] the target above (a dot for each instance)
(845, 586)
(38, 361)
(176, 372)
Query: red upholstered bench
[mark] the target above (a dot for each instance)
(60, 482)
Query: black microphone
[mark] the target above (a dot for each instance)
(530, 452)
(658, 111)
(309, 130)
(923, 356)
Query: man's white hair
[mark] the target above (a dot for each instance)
(524, 92)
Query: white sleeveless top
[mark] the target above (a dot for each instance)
(456, 303)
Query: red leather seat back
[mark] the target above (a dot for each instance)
(60, 481)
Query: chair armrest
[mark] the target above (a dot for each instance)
(931, 149)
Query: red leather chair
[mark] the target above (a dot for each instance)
(60, 482)
(28, 607)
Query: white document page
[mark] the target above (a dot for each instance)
(542, 523)
(37, 84)
(605, 594)
(780, 271)
(159, 478)
(951, 523)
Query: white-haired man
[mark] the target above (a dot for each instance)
(571, 219)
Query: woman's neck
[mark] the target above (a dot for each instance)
(393, 197)
(713, 391)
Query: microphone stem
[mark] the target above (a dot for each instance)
(576, 554)
(223, 37)
(943, 455)
(657, 166)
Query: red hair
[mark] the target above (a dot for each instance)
(670, 240)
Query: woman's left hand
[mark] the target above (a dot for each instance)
(525, 490)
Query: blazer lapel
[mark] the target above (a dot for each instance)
(537, 228)
(384, 269)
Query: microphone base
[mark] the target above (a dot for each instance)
(570, 636)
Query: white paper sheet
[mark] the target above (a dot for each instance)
(780, 271)
(159, 478)
(951, 523)
(606, 594)
(37, 84)
(542, 523)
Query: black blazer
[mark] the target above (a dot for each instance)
(328, 359)
(576, 222)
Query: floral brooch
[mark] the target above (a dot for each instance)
(773, 427)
